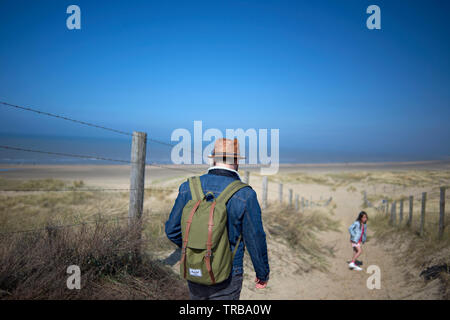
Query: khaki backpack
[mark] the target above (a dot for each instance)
(206, 257)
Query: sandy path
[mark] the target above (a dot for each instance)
(339, 282)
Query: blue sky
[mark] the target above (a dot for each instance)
(309, 68)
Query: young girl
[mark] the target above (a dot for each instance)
(358, 234)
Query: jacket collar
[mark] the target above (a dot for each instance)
(222, 171)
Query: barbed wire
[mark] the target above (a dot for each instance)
(62, 190)
(54, 115)
(154, 164)
(34, 110)
(50, 227)
(90, 157)
(86, 190)
(70, 155)
(63, 226)
(169, 190)
(416, 194)
(65, 118)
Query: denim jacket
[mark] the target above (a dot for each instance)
(244, 218)
(355, 232)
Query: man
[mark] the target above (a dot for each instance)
(244, 219)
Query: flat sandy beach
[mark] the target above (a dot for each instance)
(117, 176)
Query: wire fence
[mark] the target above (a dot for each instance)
(50, 227)
(70, 155)
(89, 124)
(65, 189)
(168, 190)
(81, 122)
(92, 157)
(87, 190)
(65, 118)
(422, 211)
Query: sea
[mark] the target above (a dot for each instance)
(88, 150)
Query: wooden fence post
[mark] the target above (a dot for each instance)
(401, 212)
(247, 177)
(296, 202)
(280, 192)
(137, 180)
(290, 198)
(411, 205)
(393, 212)
(442, 213)
(138, 154)
(302, 205)
(264, 187)
(422, 213)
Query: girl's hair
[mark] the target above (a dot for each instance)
(360, 215)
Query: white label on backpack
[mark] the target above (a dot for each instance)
(195, 272)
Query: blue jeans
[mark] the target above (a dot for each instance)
(229, 289)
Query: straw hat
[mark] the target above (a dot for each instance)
(226, 148)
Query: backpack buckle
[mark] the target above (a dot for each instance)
(208, 254)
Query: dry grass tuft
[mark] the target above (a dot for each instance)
(300, 231)
(420, 251)
(33, 265)
(306, 178)
(409, 178)
(39, 184)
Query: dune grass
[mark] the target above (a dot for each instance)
(300, 177)
(39, 184)
(33, 264)
(300, 231)
(33, 210)
(432, 214)
(407, 178)
(420, 250)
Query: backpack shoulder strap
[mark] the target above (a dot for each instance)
(231, 189)
(196, 188)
